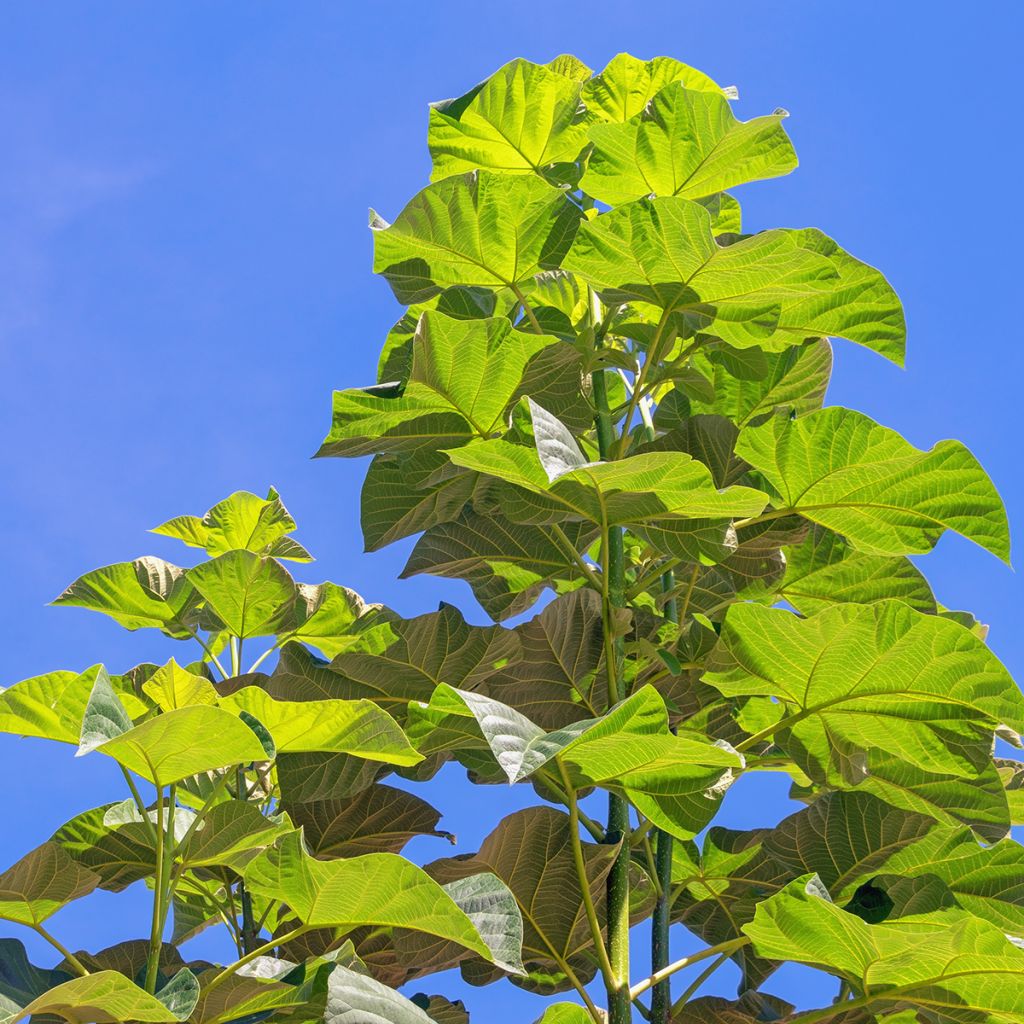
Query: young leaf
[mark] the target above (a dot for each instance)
(839, 468)
(241, 522)
(251, 595)
(480, 229)
(684, 143)
(522, 119)
(628, 84)
(173, 687)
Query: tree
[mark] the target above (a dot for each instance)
(601, 391)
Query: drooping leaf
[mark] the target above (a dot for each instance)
(380, 819)
(481, 229)
(465, 375)
(148, 593)
(771, 290)
(242, 521)
(684, 143)
(839, 468)
(507, 564)
(375, 889)
(250, 594)
(628, 84)
(102, 998)
(522, 119)
(42, 882)
(357, 999)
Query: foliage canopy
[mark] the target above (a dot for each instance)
(603, 391)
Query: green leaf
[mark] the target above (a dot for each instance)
(565, 1013)
(173, 687)
(481, 229)
(146, 593)
(507, 564)
(824, 570)
(955, 971)
(231, 833)
(465, 375)
(628, 84)
(102, 998)
(41, 883)
(52, 706)
(265, 986)
(855, 677)
(652, 488)
(442, 1010)
(331, 617)
(684, 143)
(242, 521)
(180, 743)
(839, 468)
(792, 381)
(405, 494)
(772, 290)
(251, 595)
(380, 819)
(522, 119)
(357, 727)
(377, 889)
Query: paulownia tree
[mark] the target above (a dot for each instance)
(602, 389)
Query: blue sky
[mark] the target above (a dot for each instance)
(185, 277)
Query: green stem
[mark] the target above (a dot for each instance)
(139, 804)
(694, 987)
(156, 927)
(73, 960)
(208, 651)
(727, 948)
(661, 996)
(263, 657)
(249, 931)
(252, 954)
(612, 598)
(528, 310)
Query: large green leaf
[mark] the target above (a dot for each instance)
(684, 143)
(242, 521)
(356, 727)
(405, 494)
(522, 119)
(331, 618)
(628, 84)
(252, 595)
(507, 564)
(659, 487)
(376, 889)
(839, 468)
(41, 883)
(465, 375)
(230, 834)
(266, 986)
(146, 593)
(857, 677)
(772, 290)
(481, 229)
(106, 997)
(354, 998)
(957, 969)
(171, 686)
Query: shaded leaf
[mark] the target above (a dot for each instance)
(42, 882)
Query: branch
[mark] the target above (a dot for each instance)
(728, 948)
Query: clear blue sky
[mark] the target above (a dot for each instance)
(185, 277)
